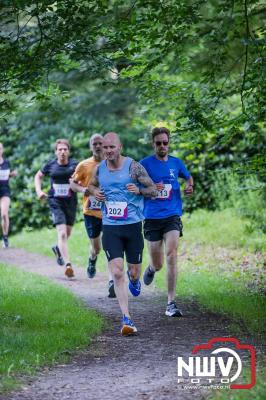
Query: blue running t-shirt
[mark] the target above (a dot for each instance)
(121, 206)
(168, 201)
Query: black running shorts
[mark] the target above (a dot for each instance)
(93, 226)
(62, 211)
(154, 229)
(4, 191)
(120, 239)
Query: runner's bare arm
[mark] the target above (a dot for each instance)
(76, 187)
(93, 187)
(189, 186)
(138, 173)
(38, 185)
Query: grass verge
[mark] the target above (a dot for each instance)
(221, 263)
(257, 392)
(40, 323)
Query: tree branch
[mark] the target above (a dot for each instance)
(246, 57)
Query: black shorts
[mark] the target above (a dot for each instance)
(4, 191)
(154, 229)
(120, 239)
(63, 211)
(93, 226)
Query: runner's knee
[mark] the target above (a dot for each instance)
(4, 216)
(117, 272)
(157, 262)
(171, 256)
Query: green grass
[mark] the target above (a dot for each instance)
(40, 324)
(220, 269)
(78, 244)
(222, 228)
(219, 262)
(256, 393)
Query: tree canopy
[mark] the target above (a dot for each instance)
(72, 67)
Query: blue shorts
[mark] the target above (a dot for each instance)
(93, 226)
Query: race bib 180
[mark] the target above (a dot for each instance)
(61, 190)
(116, 209)
(165, 193)
(4, 175)
(93, 204)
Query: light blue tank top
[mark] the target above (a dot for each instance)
(121, 207)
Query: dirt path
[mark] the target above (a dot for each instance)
(142, 367)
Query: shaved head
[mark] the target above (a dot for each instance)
(112, 147)
(112, 137)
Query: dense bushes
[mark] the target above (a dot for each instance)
(29, 138)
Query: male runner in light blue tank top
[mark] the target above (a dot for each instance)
(116, 183)
(162, 225)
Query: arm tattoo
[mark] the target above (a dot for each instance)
(138, 173)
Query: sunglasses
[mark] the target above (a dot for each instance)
(164, 142)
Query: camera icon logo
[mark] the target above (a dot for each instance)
(221, 361)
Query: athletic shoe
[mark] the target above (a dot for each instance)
(128, 328)
(69, 271)
(134, 285)
(91, 270)
(111, 290)
(148, 276)
(57, 253)
(172, 310)
(5, 242)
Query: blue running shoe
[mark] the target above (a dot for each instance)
(134, 285)
(128, 327)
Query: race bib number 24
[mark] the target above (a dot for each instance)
(93, 204)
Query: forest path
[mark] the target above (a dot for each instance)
(141, 367)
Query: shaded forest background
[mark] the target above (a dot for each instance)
(70, 69)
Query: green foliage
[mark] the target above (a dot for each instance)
(123, 65)
(247, 195)
(40, 324)
(29, 138)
